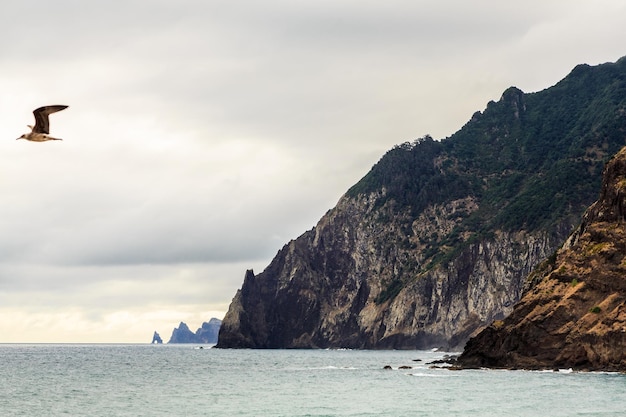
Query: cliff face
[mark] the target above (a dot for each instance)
(335, 286)
(574, 314)
(435, 242)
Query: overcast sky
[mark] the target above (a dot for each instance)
(203, 135)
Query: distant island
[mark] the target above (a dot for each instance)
(208, 333)
(156, 338)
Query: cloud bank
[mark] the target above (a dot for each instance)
(203, 135)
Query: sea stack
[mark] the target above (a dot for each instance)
(156, 339)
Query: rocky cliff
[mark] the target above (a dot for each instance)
(574, 313)
(435, 242)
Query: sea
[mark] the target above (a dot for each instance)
(192, 380)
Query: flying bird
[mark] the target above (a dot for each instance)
(39, 133)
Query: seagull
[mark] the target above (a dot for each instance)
(40, 132)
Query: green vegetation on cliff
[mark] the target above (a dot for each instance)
(531, 161)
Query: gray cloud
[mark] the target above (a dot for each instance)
(203, 136)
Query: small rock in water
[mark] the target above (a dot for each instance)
(387, 367)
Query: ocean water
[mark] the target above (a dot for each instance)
(184, 380)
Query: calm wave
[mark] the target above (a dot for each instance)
(183, 380)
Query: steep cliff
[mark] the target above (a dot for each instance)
(436, 240)
(574, 313)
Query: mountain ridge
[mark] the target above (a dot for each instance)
(435, 242)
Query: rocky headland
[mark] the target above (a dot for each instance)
(156, 338)
(436, 241)
(574, 313)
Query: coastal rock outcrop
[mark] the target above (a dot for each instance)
(208, 333)
(574, 313)
(436, 241)
(156, 339)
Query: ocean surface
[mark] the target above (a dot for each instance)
(184, 380)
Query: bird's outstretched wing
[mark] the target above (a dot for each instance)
(42, 124)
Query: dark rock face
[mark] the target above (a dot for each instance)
(156, 338)
(574, 316)
(208, 333)
(436, 241)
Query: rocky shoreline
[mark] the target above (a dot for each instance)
(574, 313)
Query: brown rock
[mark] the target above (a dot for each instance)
(574, 316)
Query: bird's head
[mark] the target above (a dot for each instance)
(21, 137)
